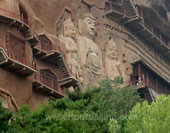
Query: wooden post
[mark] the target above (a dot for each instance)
(169, 44)
(160, 36)
(147, 79)
(51, 85)
(1, 44)
(143, 79)
(22, 17)
(139, 70)
(41, 77)
(157, 89)
(152, 28)
(24, 54)
(142, 15)
(111, 4)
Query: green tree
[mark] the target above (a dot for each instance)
(5, 116)
(154, 118)
(81, 112)
(114, 127)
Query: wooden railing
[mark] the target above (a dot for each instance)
(153, 29)
(144, 77)
(48, 79)
(15, 48)
(122, 7)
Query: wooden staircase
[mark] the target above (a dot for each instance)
(131, 7)
(148, 95)
(63, 66)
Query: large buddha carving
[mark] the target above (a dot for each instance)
(71, 47)
(89, 53)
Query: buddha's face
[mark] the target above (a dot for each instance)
(69, 31)
(88, 26)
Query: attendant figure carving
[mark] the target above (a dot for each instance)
(68, 38)
(112, 64)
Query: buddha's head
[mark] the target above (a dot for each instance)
(69, 29)
(87, 25)
(111, 49)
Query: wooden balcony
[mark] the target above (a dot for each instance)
(149, 83)
(70, 82)
(50, 55)
(42, 88)
(139, 26)
(139, 60)
(14, 66)
(23, 27)
(125, 12)
(53, 57)
(47, 84)
(149, 36)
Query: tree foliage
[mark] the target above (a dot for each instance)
(5, 116)
(81, 112)
(154, 118)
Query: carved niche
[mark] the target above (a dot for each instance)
(6, 101)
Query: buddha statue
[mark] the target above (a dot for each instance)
(90, 56)
(68, 39)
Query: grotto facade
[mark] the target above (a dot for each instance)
(49, 45)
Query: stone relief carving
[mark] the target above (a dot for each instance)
(6, 101)
(89, 52)
(68, 37)
(112, 64)
(83, 55)
(90, 56)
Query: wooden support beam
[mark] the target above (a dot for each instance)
(2, 62)
(151, 37)
(27, 31)
(29, 38)
(139, 70)
(51, 92)
(142, 30)
(37, 53)
(10, 65)
(43, 57)
(39, 87)
(13, 22)
(22, 25)
(52, 59)
(22, 69)
(132, 21)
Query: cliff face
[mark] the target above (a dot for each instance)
(60, 19)
(45, 13)
(80, 42)
(45, 16)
